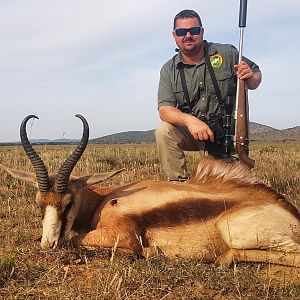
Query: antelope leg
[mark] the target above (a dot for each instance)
(107, 238)
(264, 256)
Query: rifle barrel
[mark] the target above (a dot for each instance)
(241, 110)
(241, 44)
(240, 59)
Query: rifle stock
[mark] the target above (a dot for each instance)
(242, 130)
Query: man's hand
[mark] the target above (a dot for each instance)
(199, 130)
(244, 72)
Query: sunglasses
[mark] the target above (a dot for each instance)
(184, 31)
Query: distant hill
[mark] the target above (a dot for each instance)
(45, 142)
(56, 141)
(126, 137)
(256, 128)
(258, 132)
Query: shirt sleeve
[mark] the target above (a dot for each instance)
(165, 95)
(254, 67)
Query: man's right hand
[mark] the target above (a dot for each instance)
(198, 129)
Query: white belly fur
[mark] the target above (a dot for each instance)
(261, 227)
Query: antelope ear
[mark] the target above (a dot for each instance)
(97, 178)
(28, 177)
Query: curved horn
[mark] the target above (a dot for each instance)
(37, 163)
(64, 172)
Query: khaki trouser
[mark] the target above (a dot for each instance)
(171, 142)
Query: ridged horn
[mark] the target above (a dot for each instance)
(41, 171)
(64, 172)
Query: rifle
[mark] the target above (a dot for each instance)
(241, 113)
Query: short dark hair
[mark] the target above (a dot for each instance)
(187, 13)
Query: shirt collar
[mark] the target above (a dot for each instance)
(211, 51)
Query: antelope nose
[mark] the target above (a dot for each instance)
(46, 244)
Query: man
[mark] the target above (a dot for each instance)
(186, 108)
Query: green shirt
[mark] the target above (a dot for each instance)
(199, 83)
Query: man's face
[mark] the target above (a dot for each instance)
(188, 44)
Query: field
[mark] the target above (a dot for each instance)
(28, 272)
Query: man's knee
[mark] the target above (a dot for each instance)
(163, 130)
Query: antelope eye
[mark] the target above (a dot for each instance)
(67, 204)
(68, 201)
(41, 205)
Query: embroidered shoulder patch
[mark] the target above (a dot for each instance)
(216, 61)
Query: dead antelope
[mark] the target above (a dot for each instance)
(222, 214)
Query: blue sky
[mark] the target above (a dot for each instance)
(102, 59)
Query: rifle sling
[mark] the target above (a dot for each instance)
(184, 86)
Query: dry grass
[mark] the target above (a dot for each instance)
(28, 272)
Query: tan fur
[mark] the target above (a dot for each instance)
(211, 169)
(222, 214)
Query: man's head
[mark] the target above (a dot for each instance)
(185, 14)
(188, 31)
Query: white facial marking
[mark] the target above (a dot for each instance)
(51, 228)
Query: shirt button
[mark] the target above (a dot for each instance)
(202, 98)
(201, 82)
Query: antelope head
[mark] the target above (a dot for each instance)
(57, 193)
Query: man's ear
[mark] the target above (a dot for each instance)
(27, 177)
(96, 178)
(174, 34)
